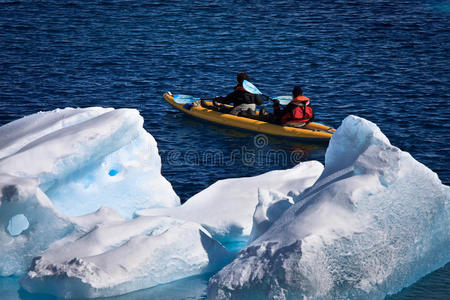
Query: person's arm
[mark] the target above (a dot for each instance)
(288, 108)
(258, 100)
(276, 105)
(286, 114)
(228, 99)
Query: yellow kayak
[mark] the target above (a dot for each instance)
(311, 132)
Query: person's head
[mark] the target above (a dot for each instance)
(297, 91)
(241, 77)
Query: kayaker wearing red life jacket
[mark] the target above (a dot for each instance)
(297, 113)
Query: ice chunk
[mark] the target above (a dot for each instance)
(102, 156)
(376, 221)
(120, 257)
(72, 162)
(45, 225)
(226, 208)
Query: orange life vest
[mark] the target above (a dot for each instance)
(302, 111)
(301, 99)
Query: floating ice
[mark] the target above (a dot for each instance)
(226, 208)
(71, 162)
(376, 221)
(124, 256)
(100, 156)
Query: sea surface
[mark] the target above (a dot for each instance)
(386, 61)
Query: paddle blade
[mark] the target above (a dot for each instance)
(182, 99)
(249, 87)
(283, 99)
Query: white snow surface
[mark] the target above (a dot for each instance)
(375, 221)
(70, 162)
(123, 256)
(226, 208)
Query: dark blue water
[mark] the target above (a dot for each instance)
(386, 61)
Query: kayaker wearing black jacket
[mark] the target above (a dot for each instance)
(243, 101)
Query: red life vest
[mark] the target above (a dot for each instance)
(301, 113)
(301, 100)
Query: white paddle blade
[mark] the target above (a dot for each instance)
(182, 99)
(283, 99)
(249, 87)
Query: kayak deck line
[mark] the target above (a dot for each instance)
(311, 132)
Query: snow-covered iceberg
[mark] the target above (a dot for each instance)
(375, 221)
(71, 162)
(123, 256)
(100, 155)
(226, 208)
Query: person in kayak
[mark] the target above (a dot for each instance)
(244, 102)
(297, 113)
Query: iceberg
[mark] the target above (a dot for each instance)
(374, 222)
(86, 213)
(124, 256)
(65, 163)
(100, 155)
(230, 203)
(57, 171)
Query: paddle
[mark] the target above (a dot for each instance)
(183, 99)
(283, 99)
(249, 87)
